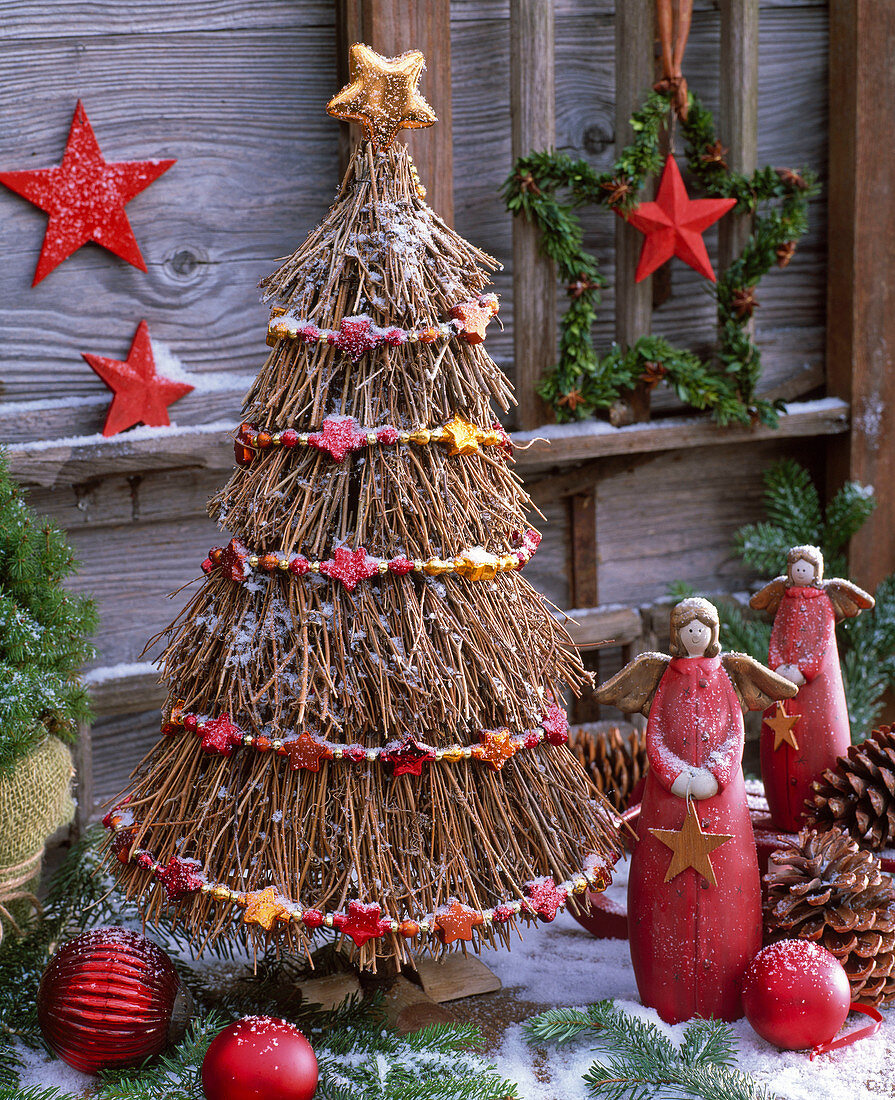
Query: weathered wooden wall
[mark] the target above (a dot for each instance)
(235, 91)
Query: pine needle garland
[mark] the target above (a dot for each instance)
(639, 1062)
(582, 382)
(43, 631)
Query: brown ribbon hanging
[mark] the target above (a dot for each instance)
(673, 18)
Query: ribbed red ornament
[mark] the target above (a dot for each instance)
(110, 997)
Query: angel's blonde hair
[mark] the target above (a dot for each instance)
(812, 555)
(685, 612)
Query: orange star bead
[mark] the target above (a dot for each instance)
(383, 95)
(474, 319)
(496, 748)
(456, 922)
(263, 908)
(306, 752)
(461, 436)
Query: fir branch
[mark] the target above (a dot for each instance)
(640, 1062)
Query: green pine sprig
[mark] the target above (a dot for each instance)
(44, 631)
(638, 1062)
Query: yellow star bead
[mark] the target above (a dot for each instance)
(478, 565)
(383, 95)
(495, 749)
(263, 908)
(461, 436)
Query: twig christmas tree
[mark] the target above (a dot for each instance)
(363, 721)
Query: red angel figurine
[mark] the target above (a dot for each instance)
(799, 742)
(694, 895)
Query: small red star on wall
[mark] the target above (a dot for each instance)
(674, 224)
(85, 198)
(141, 395)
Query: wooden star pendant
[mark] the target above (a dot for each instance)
(782, 724)
(263, 908)
(382, 95)
(690, 847)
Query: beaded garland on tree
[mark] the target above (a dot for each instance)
(362, 732)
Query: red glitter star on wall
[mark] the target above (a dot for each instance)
(362, 922)
(408, 758)
(674, 225)
(349, 566)
(338, 436)
(85, 198)
(141, 395)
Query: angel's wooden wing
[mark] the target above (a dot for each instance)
(847, 599)
(756, 686)
(633, 688)
(768, 599)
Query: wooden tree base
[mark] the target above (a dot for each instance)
(408, 1008)
(456, 976)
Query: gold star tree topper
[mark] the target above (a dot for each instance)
(382, 95)
(690, 847)
(782, 724)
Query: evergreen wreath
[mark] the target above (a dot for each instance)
(795, 517)
(582, 382)
(43, 631)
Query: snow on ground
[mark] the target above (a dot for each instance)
(562, 964)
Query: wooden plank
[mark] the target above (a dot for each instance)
(589, 626)
(32, 20)
(583, 549)
(82, 753)
(391, 27)
(634, 75)
(861, 288)
(119, 744)
(534, 276)
(124, 689)
(589, 439)
(738, 121)
(456, 976)
(55, 463)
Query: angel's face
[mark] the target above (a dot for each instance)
(695, 637)
(801, 572)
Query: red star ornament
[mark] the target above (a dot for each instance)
(350, 567)
(141, 395)
(220, 735)
(182, 877)
(85, 198)
(674, 224)
(408, 757)
(544, 897)
(362, 922)
(338, 437)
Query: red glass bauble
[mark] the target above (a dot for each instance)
(796, 994)
(109, 998)
(260, 1058)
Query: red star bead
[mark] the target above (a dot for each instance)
(502, 913)
(141, 395)
(388, 434)
(182, 877)
(544, 898)
(555, 725)
(401, 566)
(349, 566)
(674, 224)
(354, 337)
(85, 198)
(117, 811)
(306, 752)
(531, 540)
(312, 918)
(338, 436)
(362, 922)
(456, 922)
(408, 758)
(220, 735)
(356, 753)
(234, 561)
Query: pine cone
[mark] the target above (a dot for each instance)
(615, 761)
(859, 793)
(823, 887)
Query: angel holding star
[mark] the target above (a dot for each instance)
(694, 895)
(799, 742)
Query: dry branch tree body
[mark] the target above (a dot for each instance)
(368, 682)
